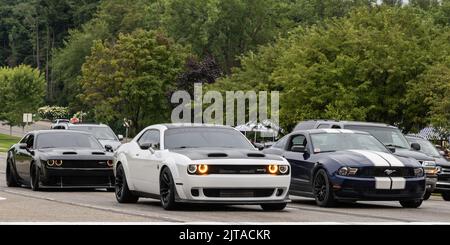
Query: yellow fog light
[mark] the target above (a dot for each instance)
(202, 169)
(273, 169)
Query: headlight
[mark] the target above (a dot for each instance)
(432, 171)
(200, 169)
(347, 171)
(52, 163)
(418, 172)
(278, 169)
(192, 168)
(283, 169)
(428, 163)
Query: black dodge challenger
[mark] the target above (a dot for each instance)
(59, 159)
(334, 165)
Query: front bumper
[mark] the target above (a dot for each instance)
(233, 188)
(378, 189)
(431, 182)
(77, 177)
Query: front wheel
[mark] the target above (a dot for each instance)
(411, 203)
(446, 196)
(11, 180)
(123, 194)
(273, 206)
(35, 177)
(322, 190)
(427, 195)
(167, 190)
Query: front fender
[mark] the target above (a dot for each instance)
(122, 159)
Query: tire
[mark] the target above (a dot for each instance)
(446, 196)
(122, 193)
(323, 193)
(427, 195)
(411, 203)
(273, 206)
(35, 177)
(167, 190)
(11, 179)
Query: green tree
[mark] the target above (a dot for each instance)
(23, 92)
(132, 78)
(355, 68)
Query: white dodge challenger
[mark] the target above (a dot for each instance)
(179, 163)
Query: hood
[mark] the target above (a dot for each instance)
(419, 156)
(224, 153)
(74, 153)
(114, 143)
(365, 158)
(441, 161)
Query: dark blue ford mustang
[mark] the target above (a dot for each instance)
(337, 164)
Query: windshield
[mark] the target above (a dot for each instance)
(388, 136)
(326, 142)
(67, 140)
(203, 137)
(425, 146)
(101, 133)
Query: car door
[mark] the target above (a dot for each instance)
(24, 157)
(145, 162)
(301, 165)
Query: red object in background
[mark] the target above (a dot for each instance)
(74, 120)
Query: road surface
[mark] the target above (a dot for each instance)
(24, 205)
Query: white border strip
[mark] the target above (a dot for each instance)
(224, 223)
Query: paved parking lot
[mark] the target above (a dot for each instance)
(21, 205)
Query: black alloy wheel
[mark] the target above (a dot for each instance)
(35, 177)
(322, 190)
(11, 179)
(167, 189)
(123, 194)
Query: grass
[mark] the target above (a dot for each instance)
(7, 141)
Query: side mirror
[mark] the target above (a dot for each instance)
(258, 146)
(109, 148)
(415, 146)
(391, 149)
(298, 148)
(442, 153)
(150, 146)
(120, 137)
(23, 146)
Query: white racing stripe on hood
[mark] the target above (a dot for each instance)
(374, 158)
(392, 159)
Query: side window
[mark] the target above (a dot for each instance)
(335, 126)
(30, 142)
(297, 140)
(150, 136)
(323, 126)
(281, 143)
(25, 139)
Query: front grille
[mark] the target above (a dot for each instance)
(215, 192)
(237, 169)
(381, 172)
(80, 181)
(445, 171)
(84, 164)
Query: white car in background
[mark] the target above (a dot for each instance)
(199, 164)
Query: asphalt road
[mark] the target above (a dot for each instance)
(24, 205)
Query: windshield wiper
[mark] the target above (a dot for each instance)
(396, 146)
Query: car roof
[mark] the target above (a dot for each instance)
(331, 130)
(86, 125)
(53, 131)
(192, 125)
(416, 136)
(349, 123)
